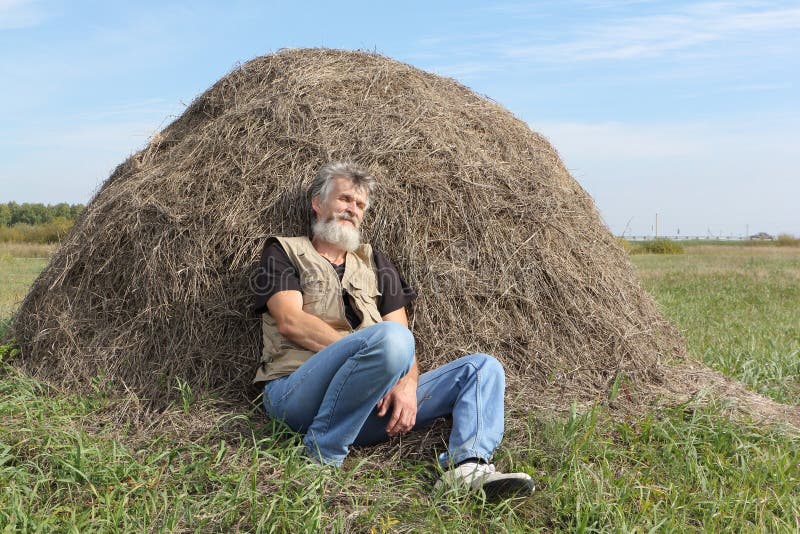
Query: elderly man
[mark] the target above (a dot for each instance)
(338, 362)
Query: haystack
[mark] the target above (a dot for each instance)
(506, 250)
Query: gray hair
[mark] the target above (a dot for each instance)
(360, 176)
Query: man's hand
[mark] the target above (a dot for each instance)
(402, 400)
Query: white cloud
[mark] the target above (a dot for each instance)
(613, 140)
(464, 70)
(148, 108)
(66, 163)
(698, 176)
(741, 88)
(16, 14)
(655, 35)
(116, 126)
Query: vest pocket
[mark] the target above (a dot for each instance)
(313, 290)
(370, 308)
(366, 301)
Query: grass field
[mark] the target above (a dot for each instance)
(688, 468)
(19, 265)
(739, 308)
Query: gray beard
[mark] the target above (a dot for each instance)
(343, 236)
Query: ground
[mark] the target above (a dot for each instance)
(70, 462)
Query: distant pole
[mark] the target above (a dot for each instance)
(656, 225)
(746, 231)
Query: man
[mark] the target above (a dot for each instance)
(338, 361)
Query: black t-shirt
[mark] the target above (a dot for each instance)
(277, 273)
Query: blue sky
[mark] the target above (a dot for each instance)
(686, 109)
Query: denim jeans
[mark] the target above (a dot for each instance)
(331, 398)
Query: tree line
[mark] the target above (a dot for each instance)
(12, 213)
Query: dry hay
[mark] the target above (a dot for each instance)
(506, 250)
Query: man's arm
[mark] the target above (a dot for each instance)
(304, 329)
(402, 398)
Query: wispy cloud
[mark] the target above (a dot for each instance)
(756, 87)
(463, 71)
(655, 35)
(622, 141)
(741, 88)
(615, 140)
(125, 127)
(673, 168)
(79, 157)
(151, 107)
(542, 8)
(15, 14)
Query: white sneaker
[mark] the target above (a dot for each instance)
(474, 476)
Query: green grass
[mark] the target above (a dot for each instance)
(739, 309)
(70, 463)
(685, 469)
(19, 266)
(657, 246)
(785, 240)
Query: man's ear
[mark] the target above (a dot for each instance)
(315, 204)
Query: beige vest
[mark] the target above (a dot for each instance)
(322, 296)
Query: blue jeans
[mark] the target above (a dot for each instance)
(331, 398)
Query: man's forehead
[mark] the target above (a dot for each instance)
(343, 184)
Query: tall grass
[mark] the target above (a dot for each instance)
(69, 463)
(683, 469)
(787, 240)
(657, 246)
(51, 232)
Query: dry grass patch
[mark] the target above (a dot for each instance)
(26, 250)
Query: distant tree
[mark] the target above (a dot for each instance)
(33, 214)
(19, 213)
(40, 213)
(59, 210)
(12, 207)
(28, 213)
(5, 215)
(75, 210)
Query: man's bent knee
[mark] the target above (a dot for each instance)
(487, 364)
(395, 343)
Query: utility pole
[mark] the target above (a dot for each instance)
(656, 225)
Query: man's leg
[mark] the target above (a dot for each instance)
(471, 389)
(331, 395)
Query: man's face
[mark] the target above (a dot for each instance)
(345, 203)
